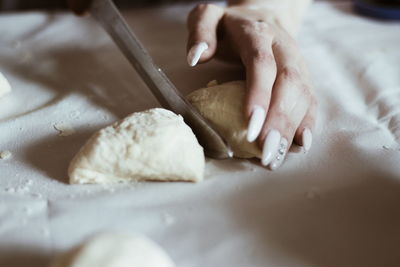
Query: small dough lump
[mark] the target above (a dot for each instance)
(151, 145)
(5, 154)
(5, 86)
(223, 105)
(115, 250)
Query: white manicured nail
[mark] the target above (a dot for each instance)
(271, 145)
(256, 123)
(306, 139)
(5, 86)
(230, 153)
(280, 156)
(195, 53)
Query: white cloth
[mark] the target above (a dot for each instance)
(336, 206)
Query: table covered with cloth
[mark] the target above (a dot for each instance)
(338, 205)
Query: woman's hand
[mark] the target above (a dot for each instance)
(280, 104)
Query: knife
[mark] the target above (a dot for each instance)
(107, 14)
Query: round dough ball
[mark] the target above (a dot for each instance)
(115, 250)
(222, 105)
(151, 145)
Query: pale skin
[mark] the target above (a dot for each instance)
(280, 105)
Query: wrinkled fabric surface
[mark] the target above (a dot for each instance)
(339, 205)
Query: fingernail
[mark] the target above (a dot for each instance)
(230, 153)
(306, 139)
(195, 53)
(281, 155)
(271, 145)
(5, 86)
(256, 123)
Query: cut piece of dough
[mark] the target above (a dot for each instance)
(115, 250)
(5, 86)
(151, 145)
(223, 105)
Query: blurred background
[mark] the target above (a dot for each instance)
(387, 9)
(61, 4)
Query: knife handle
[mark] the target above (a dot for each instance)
(79, 7)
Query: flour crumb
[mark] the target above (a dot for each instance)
(45, 232)
(10, 190)
(313, 193)
(36, 195)
(111, 189)
(22, 189)
(27, 211)
(74, 114)
(168, 219)
(386, 147)
(25, 57)
(212, 83)
(16, 44)
(64, 129)
(5, 154)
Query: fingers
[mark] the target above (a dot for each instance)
(260, 76)
(292, 108)
(287, 110)
(256, 52)
(203, 22)
(306, 138)
(303, 134)
(197, 52)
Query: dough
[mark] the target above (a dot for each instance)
(5, 154)
(115, 250)
(222, 105)
(64, 129)
(151, 145)
(5, 87)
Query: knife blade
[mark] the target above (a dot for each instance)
(109, 17)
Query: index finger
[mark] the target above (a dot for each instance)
(261, 70)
